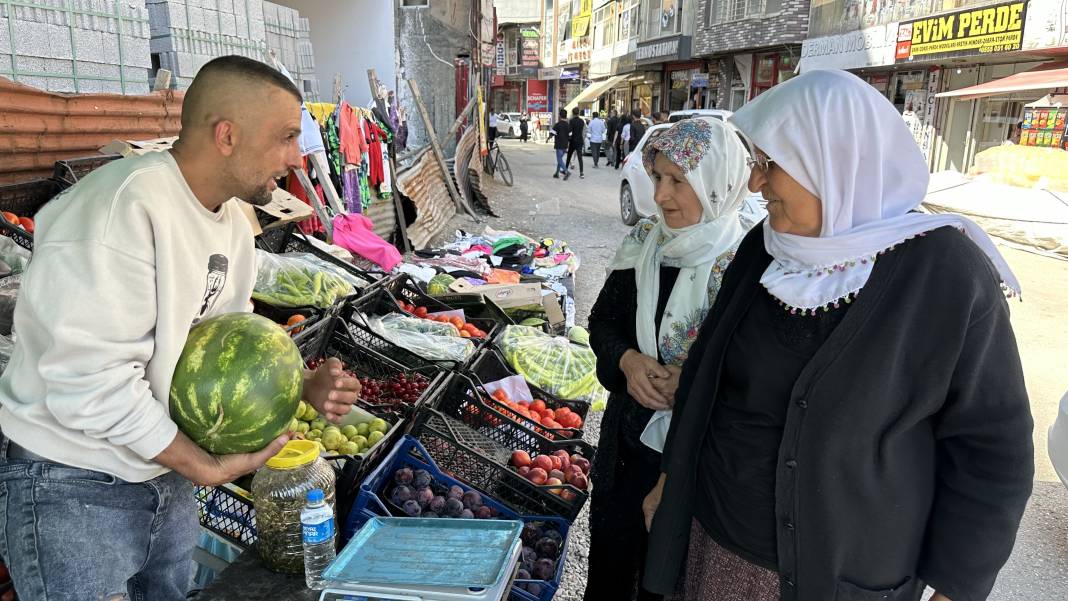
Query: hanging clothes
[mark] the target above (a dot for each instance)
(312, 224)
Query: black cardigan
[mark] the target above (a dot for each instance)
(906, 458)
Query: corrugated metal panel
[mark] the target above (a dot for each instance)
(39, 128)
(424, 184)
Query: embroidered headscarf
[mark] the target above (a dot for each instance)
(713, 159)
(846, 144)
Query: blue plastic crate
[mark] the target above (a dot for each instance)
(410, 453)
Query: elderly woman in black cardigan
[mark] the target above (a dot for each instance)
(852, 422)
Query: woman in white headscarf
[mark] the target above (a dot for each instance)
(852, 422)
(663, 280)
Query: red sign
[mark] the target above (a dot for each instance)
(498, 81)
(537, 96)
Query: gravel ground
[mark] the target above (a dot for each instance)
(585, 213)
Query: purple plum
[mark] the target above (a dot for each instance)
(412, 509)
(528, 556)
(424, 497)
(544, 569)
(547, 547)
(403, 476)
(400, 494)
(483, 513)
(471, 499)
(535, 588)
(421, 479)
(522, 574)
(430, 514)
(437, 504)
(530, 535)
(455, 492)
(467, 514)
(453, 508)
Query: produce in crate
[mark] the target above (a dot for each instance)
(395, 392)
(425, 338)
(23, 222)
(288, 281)
(463, 328)
(540, 413)
(542, 546)
(556, 469)
(417, 494)
(439, 284)
(350, 439)
(237, 383)
(553, 363)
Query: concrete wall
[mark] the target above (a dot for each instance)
(519, 11)
(349, 37)
(786, 26)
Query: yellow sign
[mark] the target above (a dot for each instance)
(580, 24)
(983, 30)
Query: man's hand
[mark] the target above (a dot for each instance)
(205, 469)
(330, 391)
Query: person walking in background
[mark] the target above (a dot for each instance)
(578, 136)
(597, 131)
(611, 130)
(622, 135)
(637, 130)
(660, 117)
(562, 134)
(524, 129)
(491, 134)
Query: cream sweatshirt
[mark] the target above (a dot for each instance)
(124, 264)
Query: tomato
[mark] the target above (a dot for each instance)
(420, 312)
(538, 405)
(27, 224)
(11, 217)
(294, 320)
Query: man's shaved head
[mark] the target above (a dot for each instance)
(240, 126)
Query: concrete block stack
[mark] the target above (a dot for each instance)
(76, 46)
(289, 39)
(186, 34)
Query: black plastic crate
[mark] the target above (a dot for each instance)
(298, 242)
(24, 200)
(378, 301)
(490, 366)
(446, 439)
(275, 240)
(227, 512)
(281, 315)
(403, 287)
(70, 171)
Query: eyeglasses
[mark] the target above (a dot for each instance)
(761, 162)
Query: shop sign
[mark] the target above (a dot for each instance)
(531, 58)
(549, 29)
(580, 24)
(570, 73)
(527, 72)
(871, 47)
(578, 50)
(498, 81)
(500, 57)
(659, 51)
(1046, 24)
(529, 33)
(537, 96)
(550, 73)
(699, 80)
(987, 30)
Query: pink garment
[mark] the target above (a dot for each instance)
(355, 233)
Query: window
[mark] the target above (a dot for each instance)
(414, 3)
(725, 11)
(664, 17)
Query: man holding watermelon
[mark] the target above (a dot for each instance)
(95, 493)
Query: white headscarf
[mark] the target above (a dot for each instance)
(846, 144)
(713, 160)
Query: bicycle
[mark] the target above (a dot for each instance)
(494, 161)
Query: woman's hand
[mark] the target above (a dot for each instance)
(641, 370)
(939, 597)
(668, 386)
(330, 391)
(652, 501)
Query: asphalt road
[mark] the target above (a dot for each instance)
(585, 213)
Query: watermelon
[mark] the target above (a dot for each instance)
(237, 384)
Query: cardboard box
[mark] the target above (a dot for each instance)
(553, 313)
(506, 296)
(284, 208)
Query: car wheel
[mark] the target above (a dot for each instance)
(626, 205)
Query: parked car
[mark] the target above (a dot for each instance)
(636, 187)
(1058, 441)
(677, 116)
(508, 125)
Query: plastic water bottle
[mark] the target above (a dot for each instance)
(317, 527)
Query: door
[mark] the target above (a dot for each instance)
(959, 126)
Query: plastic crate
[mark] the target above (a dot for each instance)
(298, 242)
(409, 452)
(228, 512)
(445, 434)
(275, 240)
(70, 171)
(25, 200)
(490, 366)
(379, 301)
(281, 315)
(403, 287)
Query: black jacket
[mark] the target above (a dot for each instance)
(562, 133)
(906, 458)
(578, 128)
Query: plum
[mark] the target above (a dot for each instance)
(424, 497)
(530, 535)
(421, 479)
(453, 508)
(400, 494)
(529, 555)
(430, 514)
(471, 499)
(535, 588)
(467, 514)
(403, 476)
(547, 547)
(455, 492)
(412, 509)
(555, 535)
(522, 574)
(544, 569)
(437, 504)
(483, 513)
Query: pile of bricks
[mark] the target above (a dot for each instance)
(186, 34)
(76, 46)
(289, 38)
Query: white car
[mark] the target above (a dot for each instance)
(1058, 442)
(508, 124)
(677, 116)
(636, 187)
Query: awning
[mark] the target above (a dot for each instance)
(1043, 77)
(592, 91)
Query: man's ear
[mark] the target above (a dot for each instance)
(225, 137)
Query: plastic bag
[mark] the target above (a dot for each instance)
(553, 363)
(14, 255)
(9, 293)
(357, 282)
(286, 281)
(429, 339)
(7, 346)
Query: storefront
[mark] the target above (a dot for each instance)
(679, 80)
(570, 86)
(770, 69)
(508, 97)
(661, 58)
